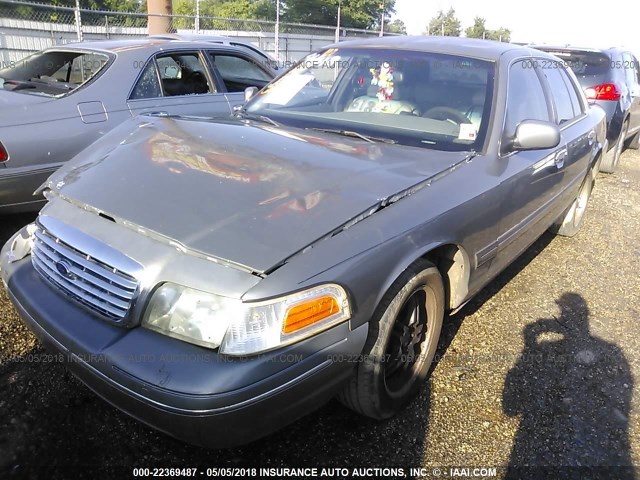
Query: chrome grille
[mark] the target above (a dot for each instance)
(91, 282)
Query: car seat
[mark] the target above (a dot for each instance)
(397, 105)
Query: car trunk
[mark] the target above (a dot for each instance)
(20, 98)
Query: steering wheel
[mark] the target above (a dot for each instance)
(446, 113)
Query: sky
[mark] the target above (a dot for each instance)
(583, 24)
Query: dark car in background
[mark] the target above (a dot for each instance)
(223, 40)
(55, 103)
(611, 79)
(260, 265)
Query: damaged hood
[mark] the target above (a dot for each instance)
(243, 192)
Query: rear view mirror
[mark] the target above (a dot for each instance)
(535, 135)
(249, 93)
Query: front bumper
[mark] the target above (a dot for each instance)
(184, 390)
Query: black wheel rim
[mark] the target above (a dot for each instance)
(405, 353)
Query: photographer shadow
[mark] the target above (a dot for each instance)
(573, 392)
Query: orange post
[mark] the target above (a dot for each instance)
(158, 23)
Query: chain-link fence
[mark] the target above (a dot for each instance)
(27, 27)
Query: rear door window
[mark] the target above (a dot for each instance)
(148, 85)
(173, 74)
(183, 74)
(558, 91)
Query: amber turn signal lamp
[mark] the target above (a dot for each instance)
(309, 312)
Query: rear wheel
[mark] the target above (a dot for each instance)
(634, 142)
(402, 341)
(611, 158)
(572, 219)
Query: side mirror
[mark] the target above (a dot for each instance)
(249, 93)
(535, 135)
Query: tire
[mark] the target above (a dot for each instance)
(634, 142)
(573, 217)
(610, 159)
(402, 341)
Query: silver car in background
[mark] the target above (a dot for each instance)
(55, 103)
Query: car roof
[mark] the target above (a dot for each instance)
(196, 37)
(483, 49)
(576, 48)
(119, 46)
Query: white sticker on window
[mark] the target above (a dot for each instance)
(284, 90)
(467, 132)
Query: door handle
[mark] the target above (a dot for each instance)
(158, 114)
(560, 157)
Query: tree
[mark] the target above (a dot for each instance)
(256, 9)
(110, 5)
(397, 26)
(478, 30)
(501, 35)
(446, 24)
(353, 14)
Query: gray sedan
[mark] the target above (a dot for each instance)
(217, 279)
(57, 102)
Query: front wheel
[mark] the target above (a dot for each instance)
(402, 341)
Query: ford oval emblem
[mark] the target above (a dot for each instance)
(64, 269)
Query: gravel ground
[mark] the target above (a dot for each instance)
(538, 369)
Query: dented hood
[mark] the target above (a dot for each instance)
(247, 193)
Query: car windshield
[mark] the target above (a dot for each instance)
(412, 98)
(52, 73)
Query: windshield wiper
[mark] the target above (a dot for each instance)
(351, 133)
(254, 116)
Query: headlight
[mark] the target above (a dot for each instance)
(239, 328)
(19, 246)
